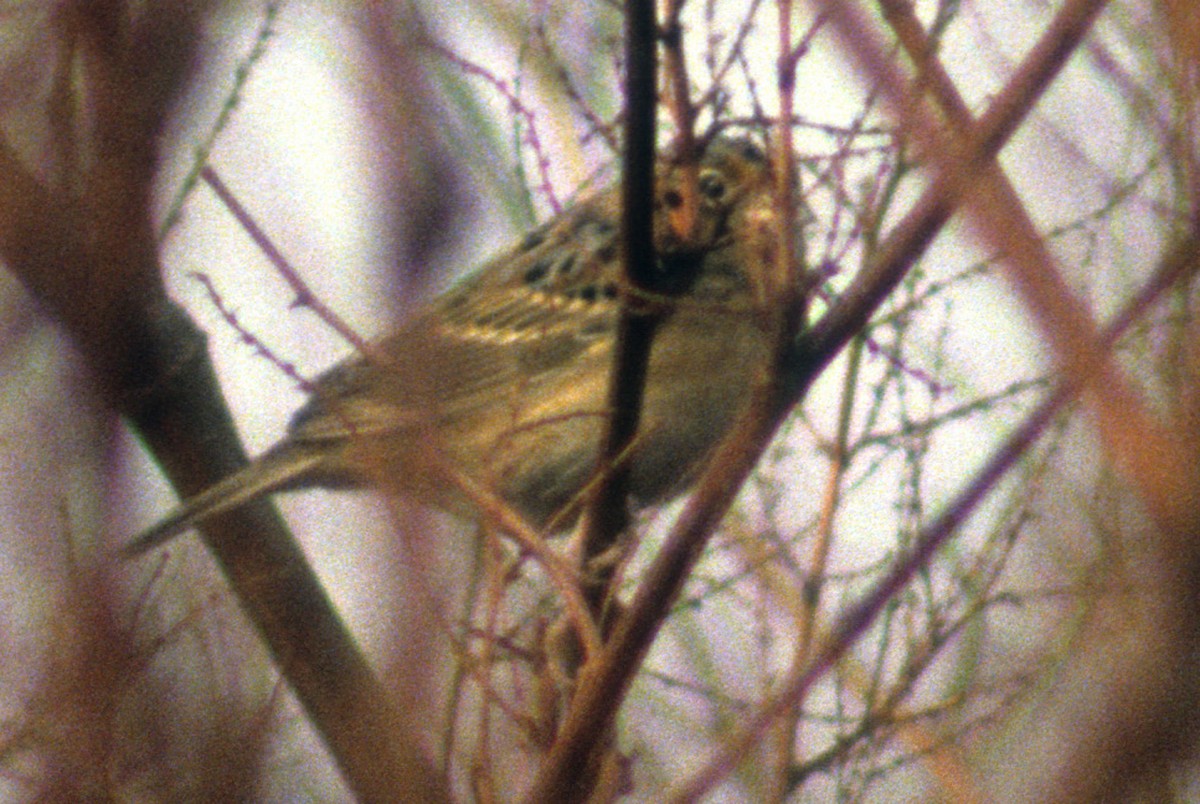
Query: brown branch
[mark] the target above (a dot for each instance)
(678, 100)
(888, 265)
(91, 261)
(1136, 439)
(607, 516)
(609, 678)
(786, 286)
(854, 622)
(1147, 450)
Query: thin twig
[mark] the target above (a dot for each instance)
(304, 295)
(856, 620)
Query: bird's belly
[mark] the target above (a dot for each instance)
(543, 449)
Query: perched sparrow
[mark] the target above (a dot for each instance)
(503, 378)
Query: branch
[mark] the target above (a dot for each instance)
(607, 516)
(856, 620)
(594, 708)
(91, 260)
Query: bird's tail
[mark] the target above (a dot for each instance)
(275, 470)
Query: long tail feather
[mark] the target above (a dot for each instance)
(271, 472)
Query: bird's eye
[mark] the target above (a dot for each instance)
(672, 199)
(712, 186)
(751, 152)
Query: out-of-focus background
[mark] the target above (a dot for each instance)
(388, 149)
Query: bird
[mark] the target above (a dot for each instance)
(503, 378)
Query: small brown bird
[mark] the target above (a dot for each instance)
(503, 378)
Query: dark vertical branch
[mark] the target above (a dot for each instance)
(608, 516)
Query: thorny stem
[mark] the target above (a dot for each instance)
(304, 295)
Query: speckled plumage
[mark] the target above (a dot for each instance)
(503, 378)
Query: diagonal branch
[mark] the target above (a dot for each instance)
(609, 680)
(856, 620)
(1141, 446)
(91, 260)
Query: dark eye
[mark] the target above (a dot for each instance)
(751, 152)
(672, 199)
(712, 186)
